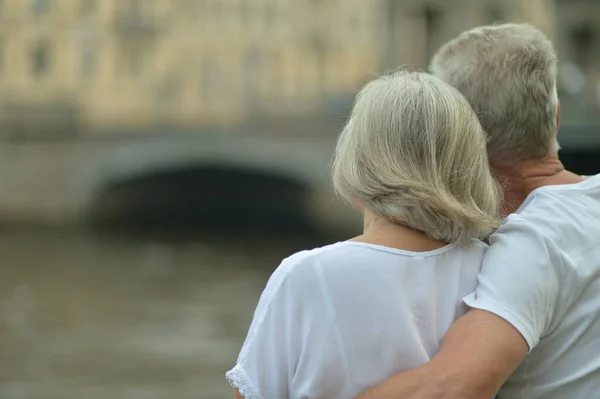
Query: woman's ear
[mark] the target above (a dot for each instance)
(356, 205)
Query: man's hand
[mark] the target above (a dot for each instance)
(477, 355)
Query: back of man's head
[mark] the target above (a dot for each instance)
(508, 74)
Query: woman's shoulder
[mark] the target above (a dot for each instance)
(300, 268)
(314, 254)
(295, 280)
(305, 260)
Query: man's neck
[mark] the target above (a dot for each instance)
(521, 178)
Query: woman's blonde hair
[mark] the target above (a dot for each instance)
(413, 151)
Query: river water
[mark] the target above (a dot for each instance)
(89, 318)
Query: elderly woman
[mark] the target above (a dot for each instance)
(336, 320)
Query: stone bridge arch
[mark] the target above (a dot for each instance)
(206, 183)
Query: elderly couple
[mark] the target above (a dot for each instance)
(418, 306)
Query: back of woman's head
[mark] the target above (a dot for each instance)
(413, 151)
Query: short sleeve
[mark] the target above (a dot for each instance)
(520, 279)
(288, 340)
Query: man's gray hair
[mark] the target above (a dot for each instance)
(508, 74)
(414, 152)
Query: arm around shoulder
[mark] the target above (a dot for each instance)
(478, 354)
(519, 287)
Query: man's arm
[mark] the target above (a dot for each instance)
(520, 284)
(477, 355)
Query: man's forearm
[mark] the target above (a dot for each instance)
(477, 355)
(419, 383)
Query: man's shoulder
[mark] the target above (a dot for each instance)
(555, 224)
(567, 215)
(520, 234)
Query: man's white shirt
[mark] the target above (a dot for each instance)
(542, 274)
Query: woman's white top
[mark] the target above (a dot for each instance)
(336, 320)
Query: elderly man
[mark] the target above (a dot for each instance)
(534, 327)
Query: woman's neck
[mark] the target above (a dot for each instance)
(380, 231)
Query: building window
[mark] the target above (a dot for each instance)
(169, 93)
(320, 52)
(40, 60)
(495, 14)
(432, 18)
(353, 23)
(134, 9)
(89, 59)
(217, 10)
(189, 8)
(269, 15)
(582, 39)
(210, 77)
(2, 56)
(244, 12)
(131, 65)
(39, 7)
(88, 7)
(254, 71)
(135, 60)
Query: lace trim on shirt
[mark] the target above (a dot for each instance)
(238, 378)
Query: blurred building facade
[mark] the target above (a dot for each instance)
(416, 29)
(578, 42)
(68, 66)
(579, 38)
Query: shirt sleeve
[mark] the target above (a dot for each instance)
(289, 339)
(520, 279)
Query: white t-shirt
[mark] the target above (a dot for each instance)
(542, 275)
(337, 320)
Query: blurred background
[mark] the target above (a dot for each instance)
(158, 158)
